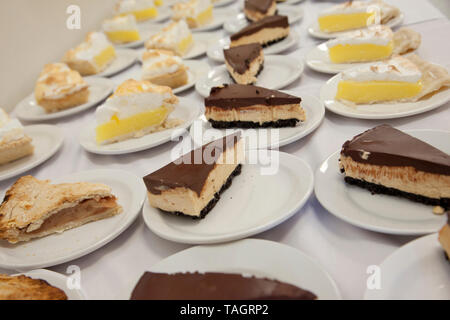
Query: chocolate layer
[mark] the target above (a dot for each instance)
(267, 22)
(258, 5)
(240, 57)
(282, 123)
(185, 172)
(386, 146)
(240, 95)
(214, 286)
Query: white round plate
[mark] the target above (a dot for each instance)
(279, 72)
(220, 15)
(255, 257)
(47, 140)
(416, 271)
(222, 3)
(187, 110)
(314, 29)
(239, 21)
(202, 132)
(125, 58)
(74, 243)
(379, 110)
(290, 184)
(56, 280)
(215, 50)
(99, 90)
(380, 213)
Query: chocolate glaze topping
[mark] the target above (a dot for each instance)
(214, 286)
(192, 169)
(267, 22)
(386, 146)
(241, 95)
(258, 5)
(240, 57)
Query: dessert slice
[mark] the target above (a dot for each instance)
(406, 40)
(25, 288)
(175, 37)
(444, 237)
(387, 161)
(164, 68)
(197, 13)
(265, 32)
(59, 88)
(245, 62)
(246, 106)
(192, 184)
(35, 208)
(141, 9)
(14, 143)
(214, 286)
(92, 56)
(122, 29)
(135, 109)
(255, 10)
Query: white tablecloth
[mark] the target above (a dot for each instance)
(344, 250)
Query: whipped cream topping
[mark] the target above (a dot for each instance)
(10, 129)
(96, 43)
(120, 23)
(377, 34)
(127, 6)
(395, 69)
(191, 8)
(170, 36)
(159, 62)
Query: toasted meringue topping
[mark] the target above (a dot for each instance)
(170, 35)
(93, 45)
(377, 34)
(347, 8)
(159, 62)
(190, 9)
(127, 22)
(127, 6)
(10, 129)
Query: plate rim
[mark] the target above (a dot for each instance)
(126, 51)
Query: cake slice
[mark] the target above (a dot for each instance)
(164, 68)
(35, 208)
(192, 184)
(388, 161)
(25, 288)
(197, 13)
(14, 143)
(255, 10)
(265, 32)
(247, 106)
(175, 37)
(444, 237)
(245, 62)
(214, 286)
(141, 9)
(135, 109)
(122, 29)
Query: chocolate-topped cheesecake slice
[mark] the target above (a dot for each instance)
(214, 286)
(255, 10)
(244, 63)
(192, 184)
(247, 106)
(265, 32)
(388, 161)
(444, 237)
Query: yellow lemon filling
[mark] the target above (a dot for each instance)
(376, 91)
(123, 36)
(342, 22)
(185, 44)
(343, 53)
(204, 16)
(105, 57)
(118, 127)
(145, 14)
(158, 3)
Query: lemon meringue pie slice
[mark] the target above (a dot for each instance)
(164, 68)
(141, 9)
(175, 37)
(122, 29)
(196, 12)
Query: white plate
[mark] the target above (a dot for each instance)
(379, 110)
(99, 90)
(215, 50)
(381, 213)
(74, 243)
(47, 140)
(315, 112)
(187, 109)
(125, 58)
(220, 15)
(416, 271)
(56, 280)
(255, 257)
(279, 72)
(222, 3)
(239, 21)
(244, 209)
(314, 29)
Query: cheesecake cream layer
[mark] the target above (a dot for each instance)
(406, 179)
(263, 36)
(444, 239)
(254, 15)
(249, 76)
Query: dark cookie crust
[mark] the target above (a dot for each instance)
(248, 124)
(265, 45)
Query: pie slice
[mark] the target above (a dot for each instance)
(197, 13)
(164, 68)
(175, 37)
(387, 161)
(266, 31)
(141, 9)
(444, 236)
(25, 288)
(192, 184)
(245, 62)
(247, 106)
(255, 10)
(122, 29)
(214, 286)
(35, 208)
